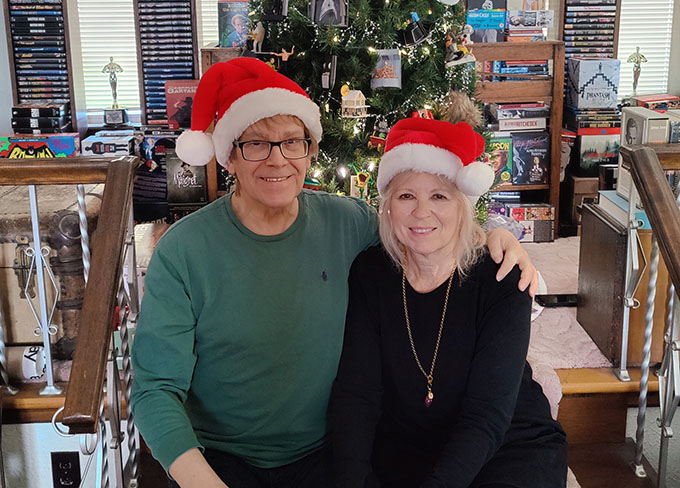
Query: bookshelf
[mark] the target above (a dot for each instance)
(168, 50)
(45, 39)
(538, 88)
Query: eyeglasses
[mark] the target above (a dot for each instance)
(260, 150)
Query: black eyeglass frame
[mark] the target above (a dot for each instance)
(273, 144)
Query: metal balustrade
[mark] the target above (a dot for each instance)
(656, 173)
(97, 401)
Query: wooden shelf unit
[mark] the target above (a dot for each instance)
(68, 51)
(550, 89)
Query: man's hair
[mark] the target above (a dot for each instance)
(470, 237)
(238, 16)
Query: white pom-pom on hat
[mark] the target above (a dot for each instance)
(475, 179)
(195, 147)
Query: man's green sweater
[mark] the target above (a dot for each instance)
(240, 335)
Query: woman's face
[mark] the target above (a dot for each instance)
(275, 182)
(425, 214)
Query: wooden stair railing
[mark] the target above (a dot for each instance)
(648, 166)
(85, 389)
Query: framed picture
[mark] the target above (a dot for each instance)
(233, 23)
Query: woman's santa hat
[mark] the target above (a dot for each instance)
(437, 147)
(240, 92)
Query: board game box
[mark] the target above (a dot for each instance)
(40, 146)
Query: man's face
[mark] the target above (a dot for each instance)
(241, 25)
(275, 182)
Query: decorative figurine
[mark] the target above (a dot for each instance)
(637, 59)
(458, 51)
(115, 115)
(258, 37)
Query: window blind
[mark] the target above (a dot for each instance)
(107, 29)
(207, 34)
(647, 24)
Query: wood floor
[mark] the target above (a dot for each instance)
(607, 466)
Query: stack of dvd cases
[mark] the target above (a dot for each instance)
(167, 37)
(38, 40)
(590, 29)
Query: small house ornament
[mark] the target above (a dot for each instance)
(353, 104)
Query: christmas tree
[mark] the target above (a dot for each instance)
(371, 25)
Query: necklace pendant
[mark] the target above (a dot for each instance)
(428, 398)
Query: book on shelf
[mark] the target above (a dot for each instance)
(488, 19)
(530, 158)
(501, 160)
(179, 97)
(617, 207)
(518, 110)
(526, 5)
(519, 20)
(639, 125)
(595, 150)
(673, 125)
(537, 220)
(522, 124)
(658, 101)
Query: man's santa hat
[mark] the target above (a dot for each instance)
(240, 92)
(437, 147)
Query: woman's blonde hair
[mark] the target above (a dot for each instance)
(470, 239)
(267, 123)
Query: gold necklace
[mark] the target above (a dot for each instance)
(429, 377)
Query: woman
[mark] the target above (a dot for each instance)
(241, 324)
(433, 387)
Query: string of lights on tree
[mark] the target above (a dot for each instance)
(372, 25)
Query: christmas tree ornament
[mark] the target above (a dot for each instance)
(275, 11)
(422, 113)
(258, 37)
(379, 135)
(328, 12)
(328, 75)
(237, 93)
(415, 32)
(449, 2)
(312, 184)
(387, 72)
(354, 104)
(437, 147)
(458, 47)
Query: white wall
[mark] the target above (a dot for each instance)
(5, 81)
(27, 448)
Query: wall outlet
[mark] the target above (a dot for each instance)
(66, 469)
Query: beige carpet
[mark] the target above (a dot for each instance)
(557, 339)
